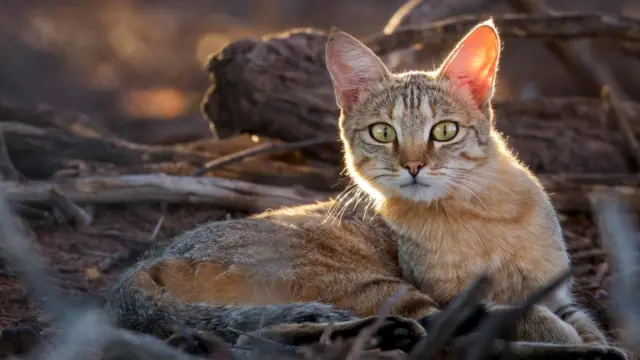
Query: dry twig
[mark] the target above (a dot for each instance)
(6, 164)
(498, 323)
(70, 210)
(457, 313)
(539, 26)
(260, 150)
(130, 253)
(233, 194)
(365, 335)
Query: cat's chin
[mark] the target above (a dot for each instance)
(420, 193)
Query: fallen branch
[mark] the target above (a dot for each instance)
(232, 194)
(258, 81)
(260, 150)
(421, 12)
(542, 26)
(7, 168)
(461, 309)
(70, 210)
(128, 254)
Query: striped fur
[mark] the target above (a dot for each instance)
(473, 207)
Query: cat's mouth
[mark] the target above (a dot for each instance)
(414, 184)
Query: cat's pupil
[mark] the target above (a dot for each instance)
(384, 133)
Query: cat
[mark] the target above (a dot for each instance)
(439, 198)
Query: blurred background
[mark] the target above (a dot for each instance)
(120, 61)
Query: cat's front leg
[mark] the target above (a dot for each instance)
(565, 325)
(537, 351)
(539, 324)
(588, 330)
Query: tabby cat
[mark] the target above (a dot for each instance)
(437, 199)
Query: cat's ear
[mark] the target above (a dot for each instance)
(472, 65)
(353, 67)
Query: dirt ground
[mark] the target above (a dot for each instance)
(72, 254)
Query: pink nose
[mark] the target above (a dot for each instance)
(413, 167)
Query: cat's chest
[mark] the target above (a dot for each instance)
(443, 262)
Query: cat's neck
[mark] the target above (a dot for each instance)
(503, 191)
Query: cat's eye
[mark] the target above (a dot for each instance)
(383, 133)
(444, 131)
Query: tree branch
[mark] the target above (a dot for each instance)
(260, 150)
(232, 194)
(542, 26)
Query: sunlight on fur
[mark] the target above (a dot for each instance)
(441, 120)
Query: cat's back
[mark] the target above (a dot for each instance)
(287, 233)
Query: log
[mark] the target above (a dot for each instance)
(262, 87)
(41, 152)
(44, 152)
(278, 87)
(126, 189)
(165, 132)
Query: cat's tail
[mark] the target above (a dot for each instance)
(137, 306)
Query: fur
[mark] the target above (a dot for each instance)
(472, 207)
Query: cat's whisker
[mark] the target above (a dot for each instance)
(467, 185)
(477, 180)
(370, 203)
(340, 213)
(339, 207)
(361, 195)
(340, 199)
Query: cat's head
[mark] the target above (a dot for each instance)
(416, 135)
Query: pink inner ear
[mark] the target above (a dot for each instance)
(472, 65)
(353, 67)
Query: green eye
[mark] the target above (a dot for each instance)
(444, 131)
(382, 133)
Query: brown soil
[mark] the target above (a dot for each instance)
(71, 254)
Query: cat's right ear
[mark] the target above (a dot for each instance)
(353, 67)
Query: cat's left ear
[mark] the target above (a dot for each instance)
(472, 65)
(355, 70)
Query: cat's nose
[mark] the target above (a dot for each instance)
(413, 167)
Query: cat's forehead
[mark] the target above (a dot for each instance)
(412, 94)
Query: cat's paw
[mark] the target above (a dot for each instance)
(398, 333)
(194, 342)
(469, 325)
(19, 340)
